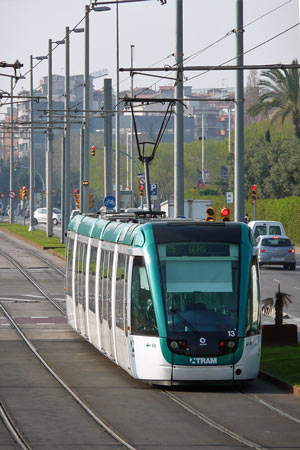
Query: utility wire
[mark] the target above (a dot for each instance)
(247, 51)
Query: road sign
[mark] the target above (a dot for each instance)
(229, 197)
(153, 191)
(110, 202)
(11, 194)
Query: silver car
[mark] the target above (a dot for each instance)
(276, 250)
(40, 216)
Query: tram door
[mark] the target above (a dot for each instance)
(121, 306)
(80, 288)
(105, 304)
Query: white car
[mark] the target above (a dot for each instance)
(40, 216)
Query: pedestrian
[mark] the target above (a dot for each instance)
(246, 218)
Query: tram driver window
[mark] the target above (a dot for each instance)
(143, 320)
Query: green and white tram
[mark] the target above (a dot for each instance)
(170, 301)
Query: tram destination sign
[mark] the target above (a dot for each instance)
(197, 249)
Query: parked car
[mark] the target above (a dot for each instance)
(276, 250)
(74, 213)
(40, 216)
(266, 227)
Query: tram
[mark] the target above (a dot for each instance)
(171, 301)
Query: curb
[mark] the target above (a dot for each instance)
(288, 387)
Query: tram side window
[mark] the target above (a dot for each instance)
(106, 285)
(253, 310)
(70, 250)
(81, 267)
(121, 291)
(101, 285)
(143, 321)
(92, 278)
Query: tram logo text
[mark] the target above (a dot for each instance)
(203, 360)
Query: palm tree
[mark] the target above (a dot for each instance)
(280, 302)
(280, 96)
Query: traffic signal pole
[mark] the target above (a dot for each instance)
(239, 117)
(178, 120)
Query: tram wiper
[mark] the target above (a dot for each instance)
(184, 321)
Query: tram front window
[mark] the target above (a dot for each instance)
(200, 282)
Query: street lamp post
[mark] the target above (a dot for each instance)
(131, 130)
(179, 138)
(32, 153)
(84, 189)
(11, 167)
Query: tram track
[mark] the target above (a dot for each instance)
(34, 282)
(204, 417)
(64, 385)
(16, 434)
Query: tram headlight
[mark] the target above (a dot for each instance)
(227, 346)
(231, 344)
(174, 345)
(178, 346)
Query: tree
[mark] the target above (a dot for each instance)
(280, 96)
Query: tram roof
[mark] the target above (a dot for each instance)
(164, 230)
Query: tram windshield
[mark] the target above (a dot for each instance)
(200, 283)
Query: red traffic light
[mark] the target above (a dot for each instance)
(75, 191)
(253, 187)
(225, 213)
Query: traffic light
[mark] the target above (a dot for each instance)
(141, 188)
(91, 201)
(27, 194)
(24, 192)
(210, 214)
(20, 194)
(225, 214)
(253, 194)
(77, 200)
(93, 150)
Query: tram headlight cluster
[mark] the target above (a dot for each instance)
(178, 346)
(227, 346)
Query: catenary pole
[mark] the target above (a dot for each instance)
(84, 189)
(239, 118)
(65, 196)
(178, 136)
(11, 165)
(49, 151)
(108, 189)
(31, 153)
(117, 120)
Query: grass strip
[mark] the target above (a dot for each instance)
(37, 236)
(282, 363)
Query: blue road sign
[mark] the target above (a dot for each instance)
(110, 202)
(153, 191)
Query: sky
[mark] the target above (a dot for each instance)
(26, 27)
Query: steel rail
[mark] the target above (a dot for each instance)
(12, 429)
(45, 260)
(213, 424)
(73, 394)
(35, 283)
